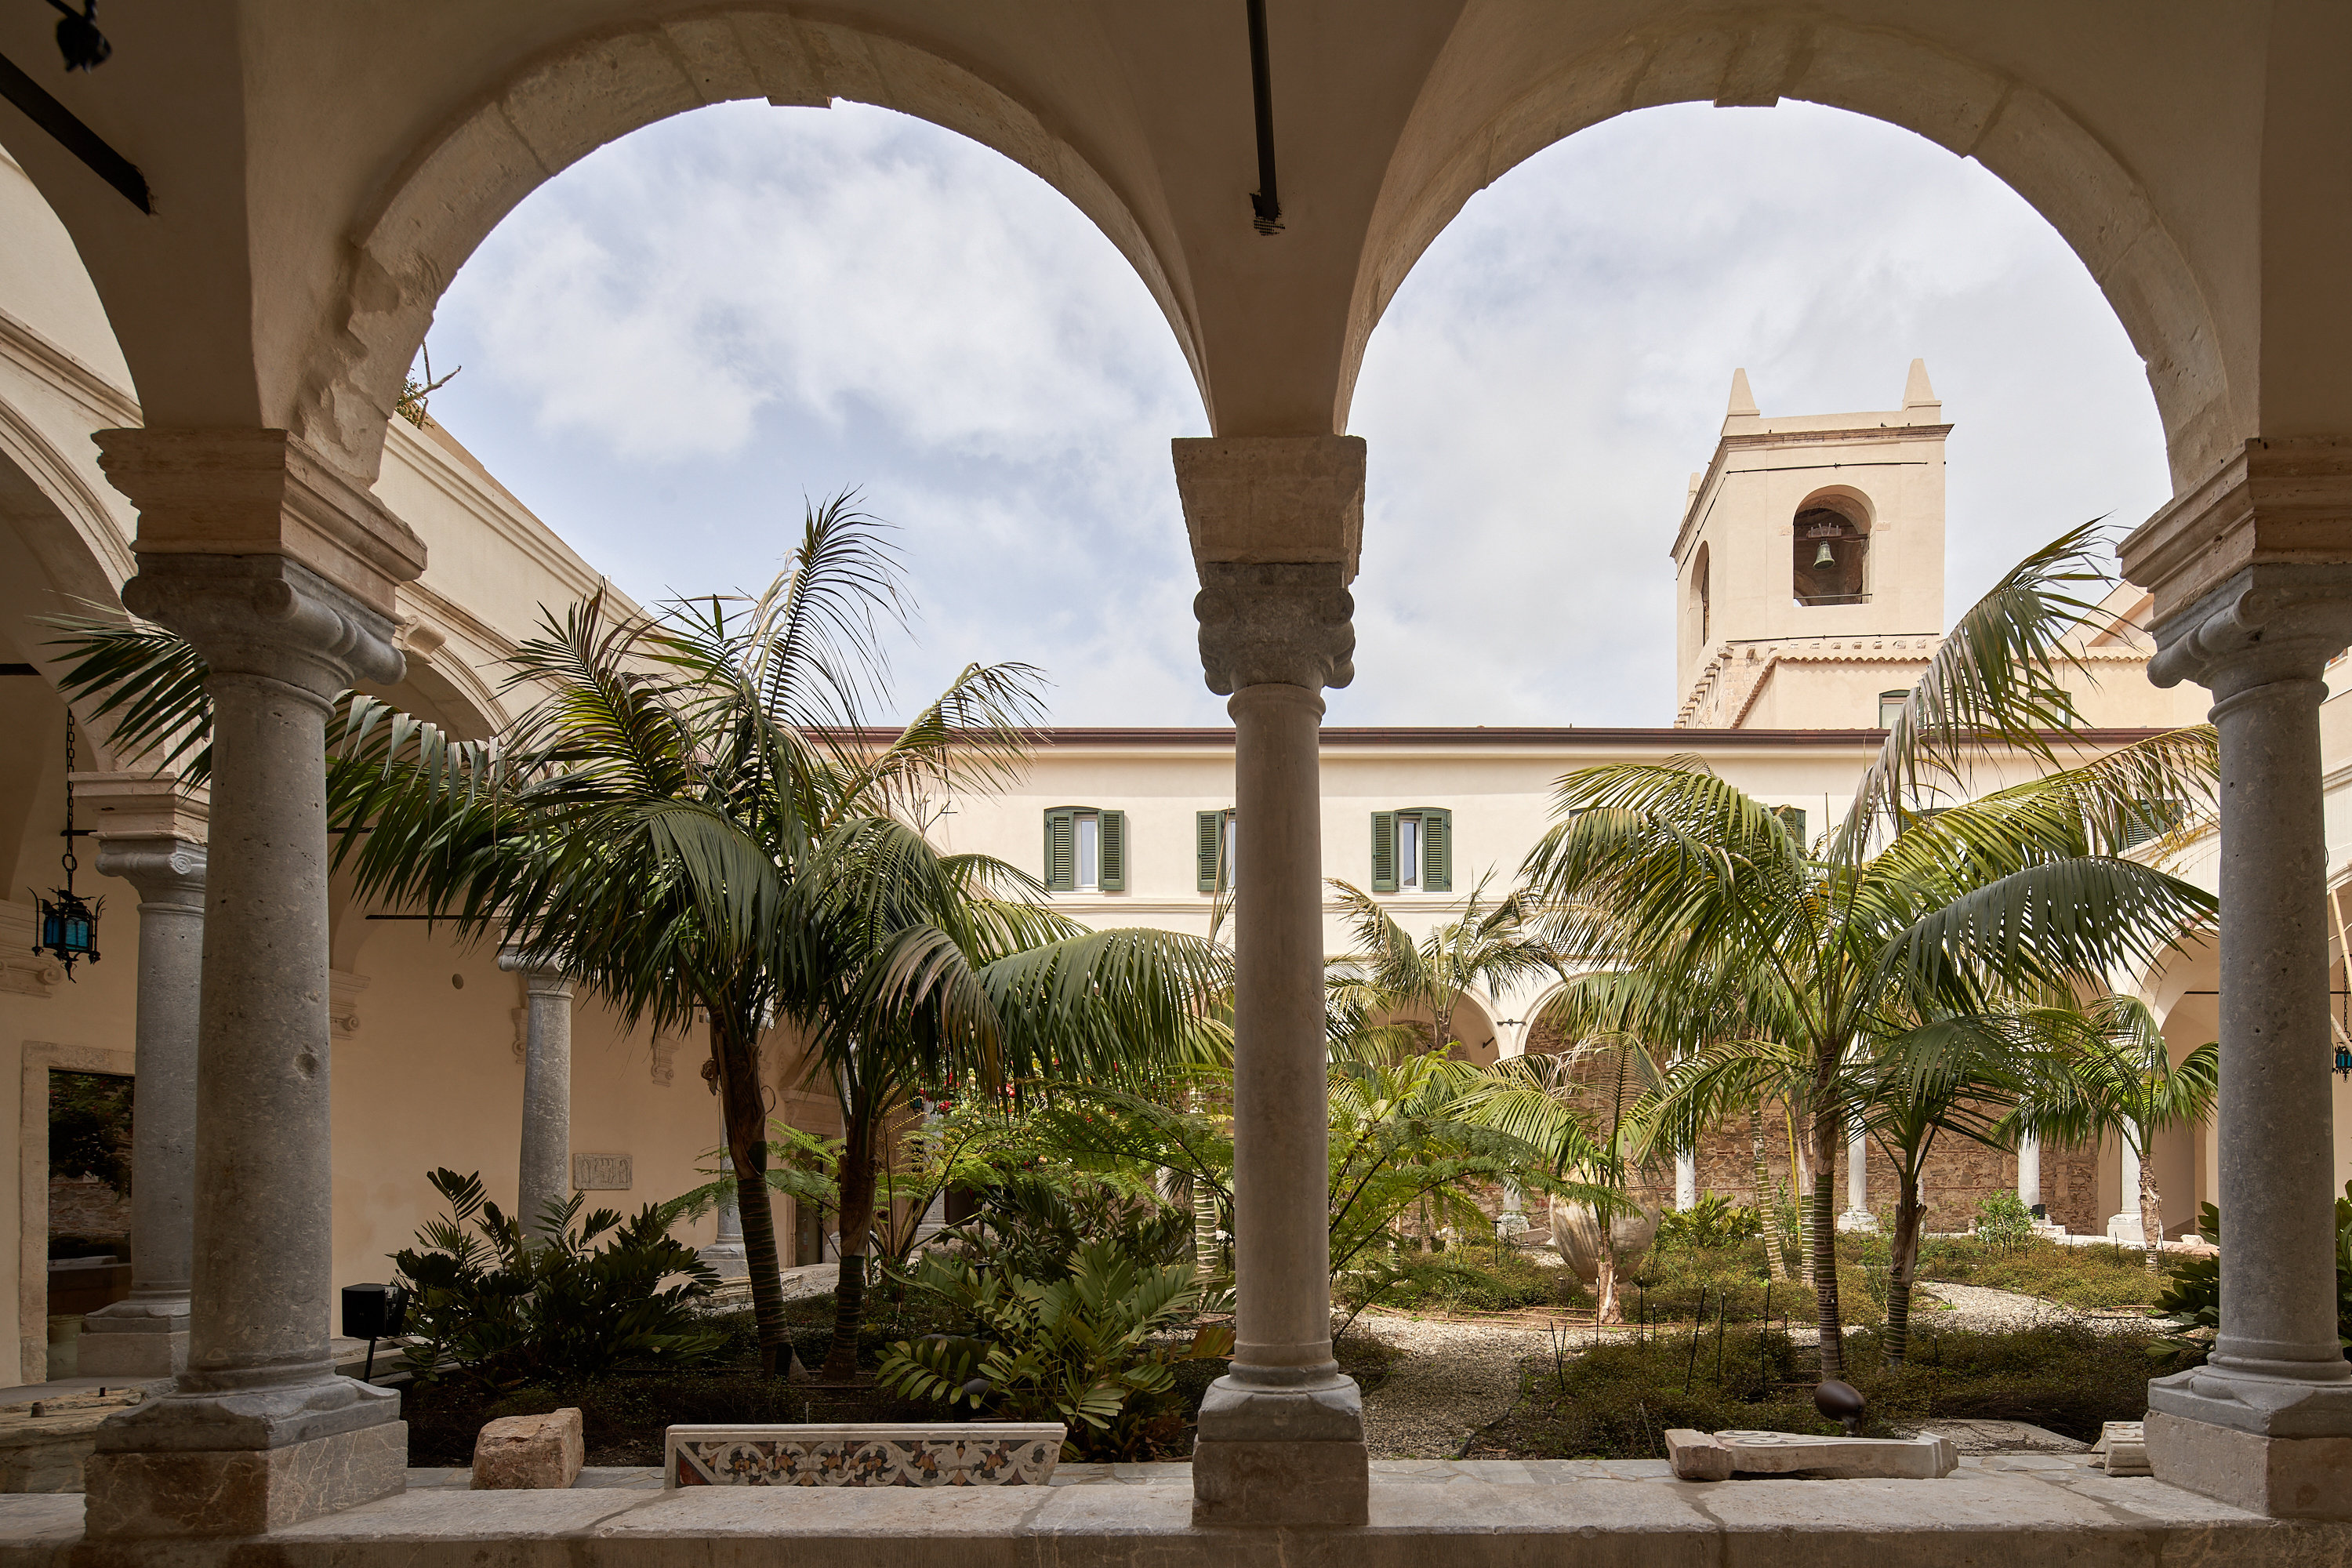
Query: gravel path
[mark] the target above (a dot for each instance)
(1455, 1378)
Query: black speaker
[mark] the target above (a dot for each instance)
(374, 1311)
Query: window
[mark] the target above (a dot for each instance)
(2151, 819)
(1699, 581)
(1216, 841)
(1792, 818)
(1890, 708)
(1412, 850)
(1085, 850)
(1830, 550)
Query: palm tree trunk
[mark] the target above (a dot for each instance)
(1822, 1223)
(1776, 1266)
(858, 1177)
(2151, 1211)
(1903, 1262)
(734, 1047)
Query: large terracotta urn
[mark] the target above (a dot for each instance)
(1576, 1230)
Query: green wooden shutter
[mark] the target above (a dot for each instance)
(1792, 818)
(1110, 852)
(1212, 841)
(1061, 849)
(1436, 850)
(1384, 865)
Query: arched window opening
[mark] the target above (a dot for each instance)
(1699, 587)
(1829, 555)
(1890, 708)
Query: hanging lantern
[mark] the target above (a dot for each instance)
(69, 923)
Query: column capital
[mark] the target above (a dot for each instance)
(240, 491)
(2271, 621)
(2286, 503)
(540, 977)
(268, 615)
(166, 870)
(1286, 625)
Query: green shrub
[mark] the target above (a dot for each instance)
(2091, 1279)
(2192, 1297)
(508, 1310)
(1616, 1400)
(1034, 1224)
(1462, 1281)
(1712, 1222)
(2004, 1221)
(1093, 1351)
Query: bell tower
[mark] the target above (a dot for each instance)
(1811, 553)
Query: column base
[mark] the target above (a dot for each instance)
(135, 1341)
(1270, 1456)
(204, 1464)
(2125, 1230)
(2283, 1478)
(1858, 1222)
(727, 1260)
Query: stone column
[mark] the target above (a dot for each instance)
(726, 1254)
(1273, 524)
(154, 839)
(280, 572)
(1686, 1178)
(546, 1173)
(2124, 1227)
(2028, 1170)
(1857, 1215)
(2254, 577)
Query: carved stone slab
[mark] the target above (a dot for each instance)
(1698, 1457)
(2122, 1448)
(965, 1454)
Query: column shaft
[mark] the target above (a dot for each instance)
(1282, 1254)
(2028, 1170)
(2276, 1134)
(1685, 1179)
(145, 1335)
(546, 1175)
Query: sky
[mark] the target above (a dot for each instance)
(674, 346)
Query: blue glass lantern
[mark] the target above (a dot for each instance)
(2344, 1058)
(69, 923)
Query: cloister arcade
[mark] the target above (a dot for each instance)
(317, 175)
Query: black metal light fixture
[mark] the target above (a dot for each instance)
(84, 47)
(69, 923)
(1266, 202)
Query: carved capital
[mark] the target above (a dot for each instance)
(267, 616)
(2270, 503)
(249, 491)
(167, 872)
(137, 806)
(1285, 624)
(2267, 624)
(540, 977)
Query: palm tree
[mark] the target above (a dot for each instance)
(1490, 947)
(675, 781)
(2110, 1071)
(915, 970)
(1949, 1075)
(1784, 955)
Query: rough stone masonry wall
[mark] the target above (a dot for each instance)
(1959, 1174)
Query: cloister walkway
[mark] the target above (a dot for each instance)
(1467, 1514)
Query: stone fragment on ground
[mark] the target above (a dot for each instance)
(1975, 1436)
(1838, 1458)
(518, 1453)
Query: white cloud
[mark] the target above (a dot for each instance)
(674, 342)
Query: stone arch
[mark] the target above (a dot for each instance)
(1970, 108)
(456, 186)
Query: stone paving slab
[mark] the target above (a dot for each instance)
(1464, 1514)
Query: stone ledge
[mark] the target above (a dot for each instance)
(1466, 1515)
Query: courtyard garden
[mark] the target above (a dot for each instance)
(695, 820)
